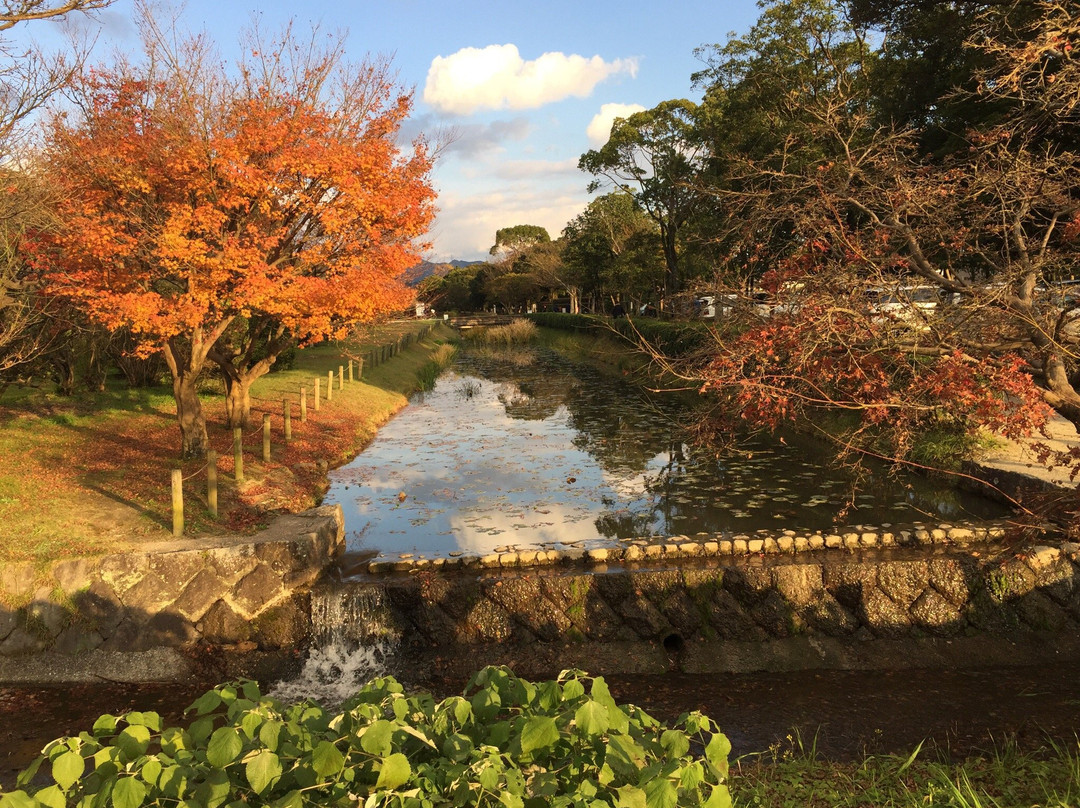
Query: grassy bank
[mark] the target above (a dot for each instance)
(1004, 778)
(90, 474)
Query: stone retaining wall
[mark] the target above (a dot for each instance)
(861, 608)
(246, 591)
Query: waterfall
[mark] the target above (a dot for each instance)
(352, 641)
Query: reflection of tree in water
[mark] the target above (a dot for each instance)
(659, 514)
(533, 401)
(625, 524)
(617, 423)
(621, 426)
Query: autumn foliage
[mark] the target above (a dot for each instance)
(277, 204)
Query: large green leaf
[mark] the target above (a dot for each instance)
(151, 771)
(224, 747)
(395, 771)
(262, 770)
(327, 760)
(269, 733)
(51, 797)
(128, 793)
(592, 718)
(376, 738)
(720, 797)
(624, 756)
(68, 768)
(717, 751)
(17, 799)
(675, 742)
(133, 742)
(660, 793)
(539, 732)
(630, 797)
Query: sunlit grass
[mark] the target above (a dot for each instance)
(1004, 777)
(90, 473)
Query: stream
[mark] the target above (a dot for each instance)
(521, 448)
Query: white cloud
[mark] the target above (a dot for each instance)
(496, 77)
(599, 128)
(466, 224)
(514, 170)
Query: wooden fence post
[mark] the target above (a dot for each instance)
(329, 385)
(316, 394)
(287, 406)
(303, 405)
(211, 482)
(266, 437)
(350, 371)
(340, 377)
(177, 503)
(238, 454)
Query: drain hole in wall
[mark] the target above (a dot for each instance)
(673, 643)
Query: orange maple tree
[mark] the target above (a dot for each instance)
(223, 218)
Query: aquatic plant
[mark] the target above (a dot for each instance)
(514, 333)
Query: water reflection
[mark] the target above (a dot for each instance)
(512, 453)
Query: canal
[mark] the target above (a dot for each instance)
(523, 447)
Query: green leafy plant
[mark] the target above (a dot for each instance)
(505, 743)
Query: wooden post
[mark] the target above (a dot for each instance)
(266, 437)
(177, 503)
(350, 371)
(303, 405)
(316, 394)
(287, 407)
(238, 453)
(340, 377)
(329, 385)
(211, 482)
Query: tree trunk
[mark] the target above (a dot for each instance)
(186, 355)
(189, 414)
(237, 400)
(238, 381)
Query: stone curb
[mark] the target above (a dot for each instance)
(709, 545)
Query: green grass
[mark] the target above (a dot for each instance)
(90, 473)
(1003, 778)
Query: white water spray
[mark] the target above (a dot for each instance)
(351, 645)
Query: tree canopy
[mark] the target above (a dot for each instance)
(196, 200)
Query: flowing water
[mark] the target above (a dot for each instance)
(519, 449)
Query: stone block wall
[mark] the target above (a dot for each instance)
(252, 591)
(830, 600)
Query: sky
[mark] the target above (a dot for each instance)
(526, 87)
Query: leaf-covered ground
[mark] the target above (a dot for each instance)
(91, 473)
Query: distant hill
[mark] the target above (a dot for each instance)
(425, 269)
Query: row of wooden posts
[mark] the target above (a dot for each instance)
(371, 359)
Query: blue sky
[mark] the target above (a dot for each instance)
(528, 87)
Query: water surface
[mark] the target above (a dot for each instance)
(526, 448)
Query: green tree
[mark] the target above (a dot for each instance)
(509, 241)
(613, 250)
(655, 155)
(856, 222)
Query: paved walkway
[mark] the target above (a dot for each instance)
(1018, 457)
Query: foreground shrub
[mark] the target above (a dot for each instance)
(506, 742)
